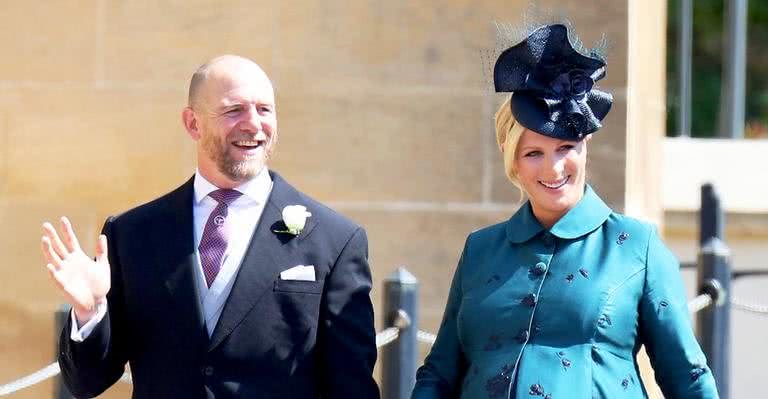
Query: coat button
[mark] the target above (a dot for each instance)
(540, 268)
(604, 321)
(208, 371)
(529, 300)
(536, 389)
(697, 372)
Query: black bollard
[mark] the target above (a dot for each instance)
(714, 278)
(711, 219)
(398, 358)
(713, 322)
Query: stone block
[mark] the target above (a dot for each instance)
(26, 344)
(427, 242)
(606, 165)
(364, 145)
(397, 43)
(593, 20)
(4, 167)
(109, 149)
(24, 278)
(49, 42)
(162, 43)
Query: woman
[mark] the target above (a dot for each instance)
(555, 302)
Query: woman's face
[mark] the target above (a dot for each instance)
(552, 172)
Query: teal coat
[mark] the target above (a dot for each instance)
(561, 314)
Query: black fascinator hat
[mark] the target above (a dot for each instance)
(552, 85)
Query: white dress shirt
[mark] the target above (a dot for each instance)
(242, 217)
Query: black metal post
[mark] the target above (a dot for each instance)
(398, 359)
(684, 44)
(714, 322)
(711, 218)
(60, 320)
(714, 278)
(733, 86)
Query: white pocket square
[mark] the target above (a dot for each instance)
(299, 272)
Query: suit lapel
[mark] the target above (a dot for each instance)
(267, 255)
(176, 232)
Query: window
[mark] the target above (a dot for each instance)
(708, 36)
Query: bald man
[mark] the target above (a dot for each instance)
(234, 285)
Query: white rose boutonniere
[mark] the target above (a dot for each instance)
(294, 218)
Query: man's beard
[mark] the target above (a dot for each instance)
(234, 169)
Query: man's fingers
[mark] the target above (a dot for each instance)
(55, 241)
(50, 255)
(68, 234)
(101, 249)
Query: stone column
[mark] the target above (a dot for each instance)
(646, 114)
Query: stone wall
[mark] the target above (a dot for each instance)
(384, 110)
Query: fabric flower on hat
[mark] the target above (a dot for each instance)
(552, 84)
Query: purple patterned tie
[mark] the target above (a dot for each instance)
(213, 244)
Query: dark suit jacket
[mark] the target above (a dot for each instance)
(275, 338)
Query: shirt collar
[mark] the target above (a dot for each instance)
(256, 189)
(588, 214)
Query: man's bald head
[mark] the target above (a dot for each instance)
(221, 64)
(232, 116)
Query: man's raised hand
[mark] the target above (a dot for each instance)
(83, 281)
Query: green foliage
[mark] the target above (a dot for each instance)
(707, 50)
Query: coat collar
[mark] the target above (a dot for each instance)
(588, 214)
(254, 190)
(176, 255)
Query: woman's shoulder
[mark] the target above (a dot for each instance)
(630, 226)
(485, 239)
(643, 237)
(489, 233)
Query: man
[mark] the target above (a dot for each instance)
(207, 291)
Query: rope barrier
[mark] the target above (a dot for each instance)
(383, 338)
(43, 374)
(426, 337)
(699, 303)
(387, 336)
(746, 306)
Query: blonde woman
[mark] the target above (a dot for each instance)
(555, 302)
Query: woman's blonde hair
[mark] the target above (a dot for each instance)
(508, 133)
